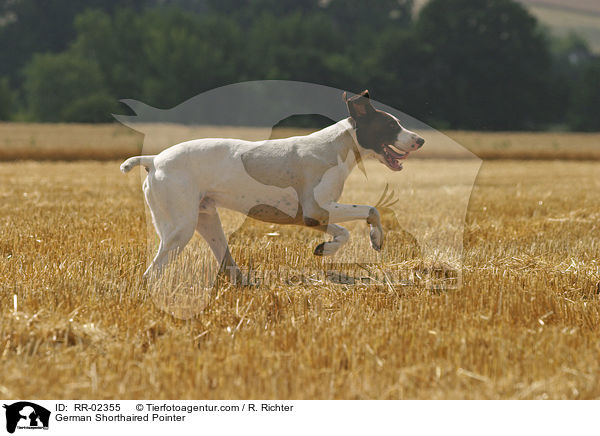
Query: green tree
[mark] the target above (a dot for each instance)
(34, 26)
(297, 47)
(57, 84)
(584, 114)
(7, 99)
(486, 66)
(186, 54)
(164, 55)
(482, 64)
(570, 55)
(245, 12)
(396, 72)
(114, 42)
(353, 15)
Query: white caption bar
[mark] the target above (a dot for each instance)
(79, 417)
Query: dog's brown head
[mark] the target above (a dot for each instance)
(380, 132)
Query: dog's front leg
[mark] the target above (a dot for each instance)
(339, 213)
(340, 237)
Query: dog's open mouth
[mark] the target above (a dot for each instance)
(394, 158)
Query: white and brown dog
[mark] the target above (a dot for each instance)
(295, 180)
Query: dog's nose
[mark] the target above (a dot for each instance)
(420, 142)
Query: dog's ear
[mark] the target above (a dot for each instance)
(359, 106)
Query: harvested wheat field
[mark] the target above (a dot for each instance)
(77, 321)
(72, 142)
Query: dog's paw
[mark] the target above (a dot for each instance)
(376, 235)
(326, 248)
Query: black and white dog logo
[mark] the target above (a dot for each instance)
(26, 415)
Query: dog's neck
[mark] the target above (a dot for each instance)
(347, 125)
(342, 136)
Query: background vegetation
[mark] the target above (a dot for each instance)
(472, 64)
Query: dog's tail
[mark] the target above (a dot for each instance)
(145, 161)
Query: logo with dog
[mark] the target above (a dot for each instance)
(24, 415)
(217, 161)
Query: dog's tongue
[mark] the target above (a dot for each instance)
(393, 158)
(393, 153)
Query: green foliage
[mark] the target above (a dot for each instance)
(486, 65)
(162, 56)
(585, 114)
(54, 82)
(31, 26)
(186, 54)
(397, 70)
(473, 64)
(354, 15)
(7, 99)
(569, 57)
(93, 108)
(246, 11)
(302, 51)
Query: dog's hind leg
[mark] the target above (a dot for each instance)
(210, 228)
(172, 243)
(174, 213)
(340, 237)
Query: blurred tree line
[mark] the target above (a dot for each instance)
(471, 64)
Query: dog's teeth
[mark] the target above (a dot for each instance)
(397, 151)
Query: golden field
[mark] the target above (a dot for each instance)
(71, 142)
(77, 321)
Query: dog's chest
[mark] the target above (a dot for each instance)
(331, 184)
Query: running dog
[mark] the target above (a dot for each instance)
(295, 180)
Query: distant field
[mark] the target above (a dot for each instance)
(67, 141)
(114, 141)
(588, 6)
(564, 21)
(564, 16)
